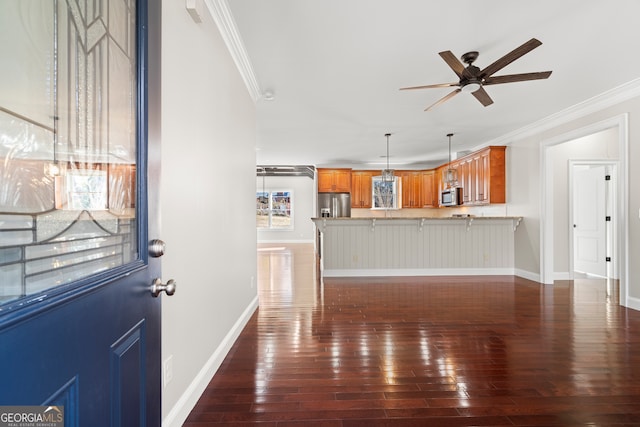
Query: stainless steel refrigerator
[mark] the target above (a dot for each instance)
(334, 205)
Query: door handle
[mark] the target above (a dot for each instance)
(156, 248)
(157, 287)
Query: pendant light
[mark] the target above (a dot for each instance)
(450, 175)
(387, 174)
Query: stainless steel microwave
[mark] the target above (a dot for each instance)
(451, 197)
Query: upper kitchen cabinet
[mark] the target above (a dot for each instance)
(334, 180)
(481, 175)
(429, 188)
(491, 175)
(361, 188)
(411, 188)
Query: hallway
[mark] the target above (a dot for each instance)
(425, 351)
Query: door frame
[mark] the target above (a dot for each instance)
(610, 210)
(621, 123)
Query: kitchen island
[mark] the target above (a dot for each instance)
(351, 247)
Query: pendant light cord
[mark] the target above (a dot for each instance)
(387, 135)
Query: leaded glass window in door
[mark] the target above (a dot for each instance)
(67, 141)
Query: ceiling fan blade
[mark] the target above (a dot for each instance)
(443, 99)
(431, 86)
(510, 57)
(482, 96)
(516, 78)
(453, 62)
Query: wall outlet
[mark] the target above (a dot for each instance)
(167, 371)
(253, 282)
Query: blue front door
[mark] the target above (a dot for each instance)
(79, 109)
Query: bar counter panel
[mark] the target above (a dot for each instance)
(417, 246)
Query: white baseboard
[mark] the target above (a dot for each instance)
(633, 303)
(562, 275)
(403, 272)
(260, 241)
(535, 277)
(183, 407)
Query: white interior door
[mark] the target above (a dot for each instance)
(589, 219)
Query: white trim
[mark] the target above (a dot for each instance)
(404, 272)
(563, 275)
(633, 302)
(223, 18)
(183, 407)
(534, 277)
(309, 241)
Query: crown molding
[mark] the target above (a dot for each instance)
(606, 99)
(223, 18)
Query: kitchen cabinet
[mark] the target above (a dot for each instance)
(411, 188)
(482, 176)
(467, 179)
(334, 180)
(361, 188)
(491, 175)
(430, 191)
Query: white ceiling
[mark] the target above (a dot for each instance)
(335, 67)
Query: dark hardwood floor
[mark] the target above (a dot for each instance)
(426, 351)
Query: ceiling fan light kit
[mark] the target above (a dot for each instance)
(472, 79)
(471, 87)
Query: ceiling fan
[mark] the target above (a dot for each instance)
(473, 80)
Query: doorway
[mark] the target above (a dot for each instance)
(555, 243)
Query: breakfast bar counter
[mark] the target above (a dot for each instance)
(466, 245)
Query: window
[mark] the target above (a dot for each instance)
(386, 194)
(274, 209)
(86, 190)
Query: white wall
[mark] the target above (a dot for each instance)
(304, 194)
(207, 204)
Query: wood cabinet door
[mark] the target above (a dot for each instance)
(361, 189)
(342, 181)
(334, 180)
(356, 196)
(483, 177)
(429, 189)
(495, 175)
(466, 180)
(411, 189)
(325, 181)
(416, 190)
